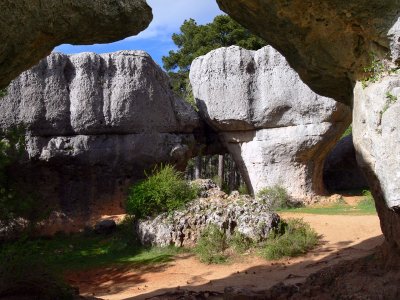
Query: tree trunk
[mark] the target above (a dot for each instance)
(197, 172)
(221, 169)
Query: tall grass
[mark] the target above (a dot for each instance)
(293, 238)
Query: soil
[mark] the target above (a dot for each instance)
(344, 238)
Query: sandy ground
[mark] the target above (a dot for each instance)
(343, 238)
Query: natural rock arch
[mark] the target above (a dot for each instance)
(277, 129)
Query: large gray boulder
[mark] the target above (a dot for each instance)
(250, 217)
(94, 124)
(29, 30)
(277, 129)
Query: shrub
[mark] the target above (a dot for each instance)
(239, 242)
(368, 203)
(276, 197)
(211, 245)
(164, 191)
(292, 238)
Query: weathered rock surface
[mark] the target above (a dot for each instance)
(95, 123)
(341, 170)
(30, 30)
(327, 42)
(277, 129)
(253, 218)
(377, 141)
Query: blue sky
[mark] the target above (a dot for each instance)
(156, 39)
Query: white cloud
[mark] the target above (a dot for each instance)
(168, 16)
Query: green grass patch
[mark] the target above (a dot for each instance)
(79, 252)
(293, 238)
(365, 207)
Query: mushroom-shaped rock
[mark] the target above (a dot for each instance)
(277, 129)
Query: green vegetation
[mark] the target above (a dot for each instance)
(24, 274)
(293, 238)
(377, 68)
(3, 93)
(195, 40)
(239, 242)
(374, 71)
(390, 99)
(243, 190)
(276, 197)
(348, 131)
(211, 245)
(163, 191)
(86, 251)
(364, 207)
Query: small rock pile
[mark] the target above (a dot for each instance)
(248, 216)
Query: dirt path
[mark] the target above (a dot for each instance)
(344, 237)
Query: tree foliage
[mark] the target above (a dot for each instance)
(195, 40)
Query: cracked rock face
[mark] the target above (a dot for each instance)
(30, 30)
(278, 130)
(94, 124)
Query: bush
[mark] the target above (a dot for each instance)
(368, 203)
(24, 274)
(239, 242)
(292, 238)
(211, 245)
(276, 197)
(164, 191)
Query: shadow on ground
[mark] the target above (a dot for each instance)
(131, 284)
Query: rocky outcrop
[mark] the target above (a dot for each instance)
(327, 42)
(30, 30)
(278, 130)
(251, 217)
(94, 124)
(330, 45)
(377, 141)
(341, 170)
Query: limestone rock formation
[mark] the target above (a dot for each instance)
(29, 30)
(94, 124)
(243, 214)
(377, 141)
(341, 170)
(278, 130)
(327, 42)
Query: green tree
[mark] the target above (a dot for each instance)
(195, 40)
